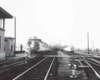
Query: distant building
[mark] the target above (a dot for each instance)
(3, 15)
(9, 46)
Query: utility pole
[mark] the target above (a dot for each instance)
(15, 34)
(93, 46)
(60, 44)
(88, 41)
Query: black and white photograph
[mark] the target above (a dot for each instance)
(49, 40)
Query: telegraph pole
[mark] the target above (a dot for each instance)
(88, 41)
(15, 34)
(60, 44)
(93, 46)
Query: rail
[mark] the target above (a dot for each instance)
(28, 69)
(93, 61)
(11, 60)
(90, 67)
(49, 69)
(35, 66)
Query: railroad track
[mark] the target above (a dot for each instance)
(94, 66)
(9, 62)
(14, 62)
(93, 61)
(39, 71)
(16, 68)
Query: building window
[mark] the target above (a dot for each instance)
(1, 23)
(11, 47)
(0, 41)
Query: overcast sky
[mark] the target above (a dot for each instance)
(53, 21)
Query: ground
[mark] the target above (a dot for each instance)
(65, 70)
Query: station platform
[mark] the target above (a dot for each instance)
(64, 69)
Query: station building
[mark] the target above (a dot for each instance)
(9, 46)
(3, 15)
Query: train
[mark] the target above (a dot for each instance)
(35, 49)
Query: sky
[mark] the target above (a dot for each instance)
(64, 22)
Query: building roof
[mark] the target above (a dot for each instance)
(4, 14)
